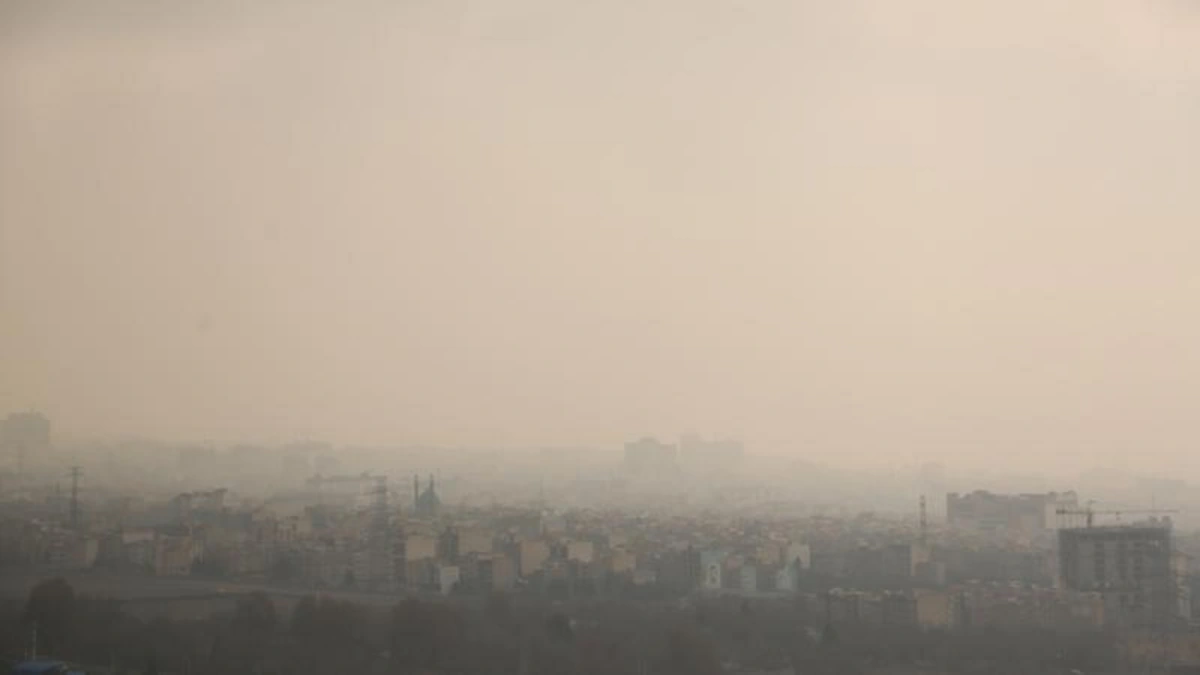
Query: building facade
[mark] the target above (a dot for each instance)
(1029, 514)
(1131, 570)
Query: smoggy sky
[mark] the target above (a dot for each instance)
(859, 230)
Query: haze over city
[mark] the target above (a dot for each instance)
(859, 231)
(564, 337)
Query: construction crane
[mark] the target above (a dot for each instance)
(1090, 513)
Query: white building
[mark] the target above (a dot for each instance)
(712, 565)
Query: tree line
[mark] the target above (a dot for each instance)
(508, 634)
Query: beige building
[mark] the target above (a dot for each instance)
(420, 547)
(174, 555)
(532, 556)
(447, 577)
(496, 573)
(73, 552)
(936, 609)
(622, 562)
(581, 551)
(794, 552)
(474, 541)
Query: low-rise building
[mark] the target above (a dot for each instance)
(174, 555)
(531, 556)
(581, 551)
(447, 578)
(621, 561)
(495, 573)
(420, 547)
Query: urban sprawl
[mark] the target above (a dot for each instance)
(185, 533)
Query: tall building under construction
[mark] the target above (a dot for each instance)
(1134, 569)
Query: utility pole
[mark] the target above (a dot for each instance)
(76, 473)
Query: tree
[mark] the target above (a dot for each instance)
(426, 636)
(689, 653)
(498, 609)
(244, 642)
(255, 615)
(97, 627)
(168, 644)
(50, 610)
(829, 636)
(558, 628)
(286, 569)
(329, 635)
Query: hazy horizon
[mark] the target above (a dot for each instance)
(854, 232)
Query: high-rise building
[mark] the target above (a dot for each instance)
(984, 511)
(701, 454)
(649, 456)
(380, 568)
(1130, 567)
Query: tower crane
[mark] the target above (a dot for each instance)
(1090, 513)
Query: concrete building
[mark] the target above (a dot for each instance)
(188, 505)
(787, 579)
(845, 606)
(798, 554)
(581, 551)
(29, 431)
(648, 456)
(936, 610)
(706, 456)
(552, 524)
(1131, 569)
(474, 540)
(931, 573)
(712, 566)
(621, 561)
(174, 555)
(138, 548)
(1029, 514)
(456, 542)
(420, 547)
(616, 539)
(900, 561)
(352, 490)
(495, 573)
(643, 577)
(73, 552)
(421, 574)
(532, 556)
(447, 577)
(324, 565)
(748, 578)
